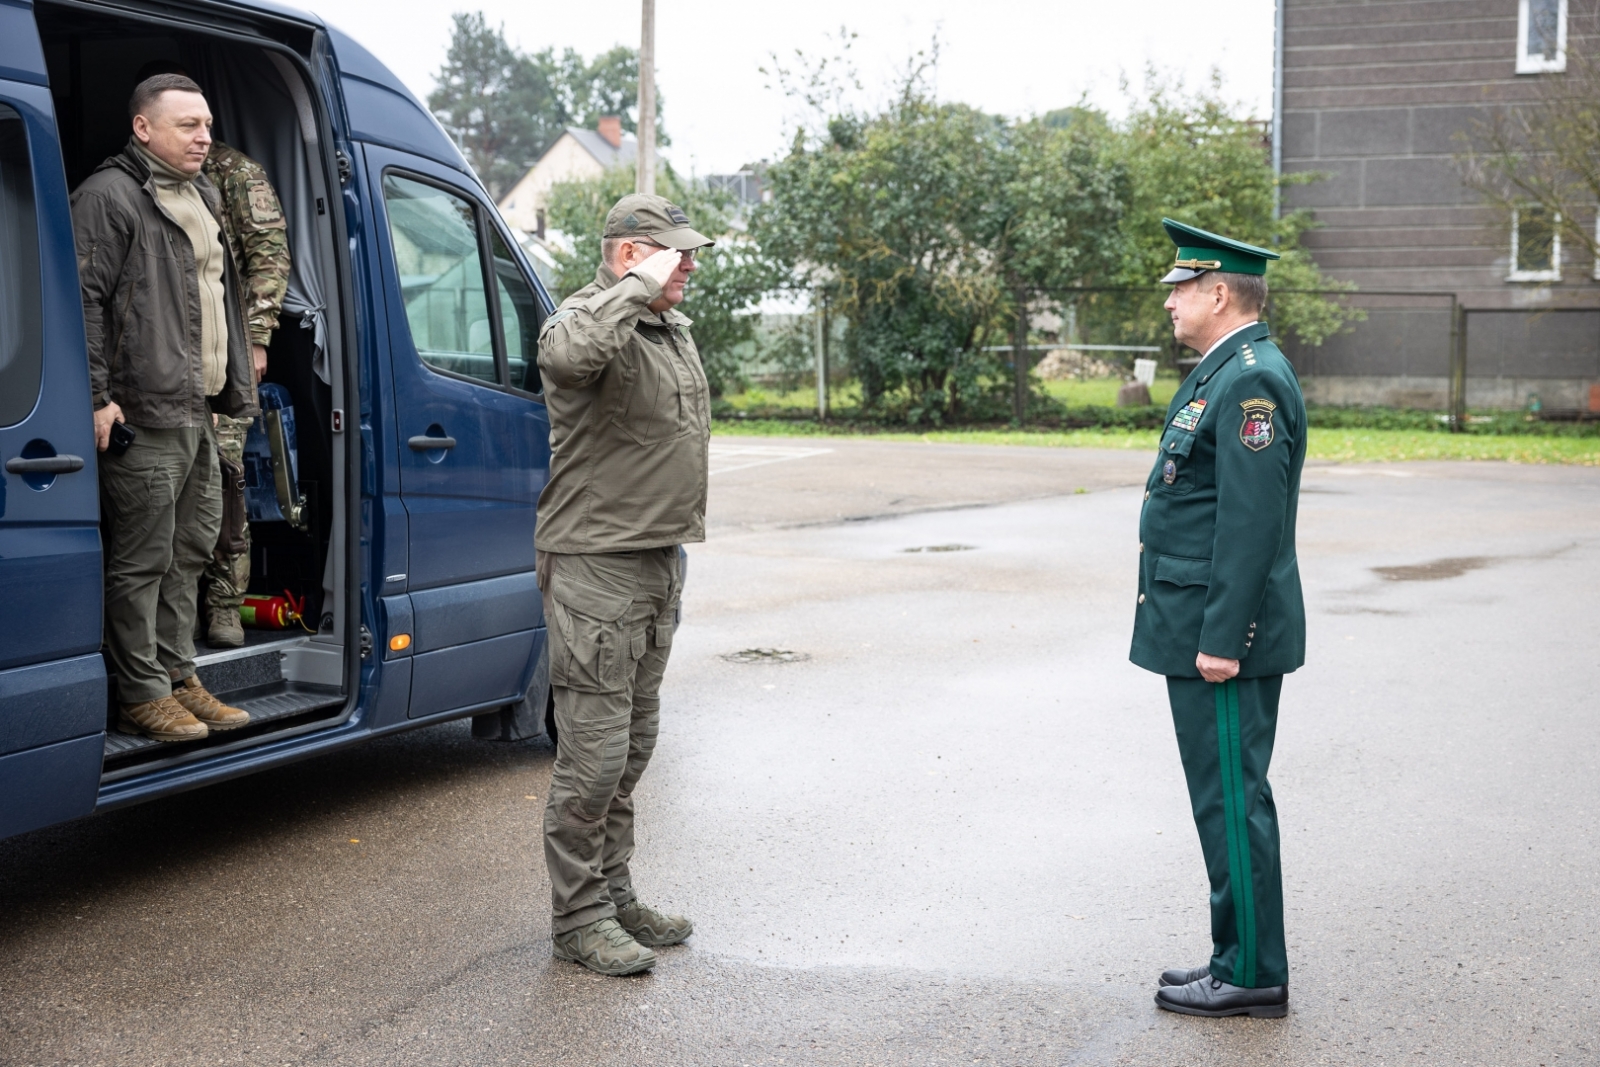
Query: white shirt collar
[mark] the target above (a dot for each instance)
(1230, 333)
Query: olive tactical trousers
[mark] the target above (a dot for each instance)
(228, 576)
(609, 621)
(1225, 735)
(161, 509)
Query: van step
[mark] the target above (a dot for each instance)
(265, 704)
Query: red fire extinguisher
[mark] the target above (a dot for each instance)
(273, 612)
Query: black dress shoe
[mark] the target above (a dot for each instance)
(1214, 998)
(1184, 975)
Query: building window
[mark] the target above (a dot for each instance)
(1541, 36)
(1535, 246)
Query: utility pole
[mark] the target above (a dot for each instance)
(646, 180)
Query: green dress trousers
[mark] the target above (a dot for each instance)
(1225, 734)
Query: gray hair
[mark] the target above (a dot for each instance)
(149, 91)
(1249, 291)
(608, 249)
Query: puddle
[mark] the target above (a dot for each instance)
(940, 548)
(1452, 567)
(766, 655)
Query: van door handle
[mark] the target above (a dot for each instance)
(424, 443)
(44, 465)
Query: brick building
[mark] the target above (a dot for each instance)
(1377, 95)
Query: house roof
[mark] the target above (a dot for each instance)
(601, 149)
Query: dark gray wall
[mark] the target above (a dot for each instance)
(1379, 97)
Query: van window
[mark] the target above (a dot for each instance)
(436, 248)
(518, 317)
(21, 344)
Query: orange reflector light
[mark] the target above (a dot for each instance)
(399, 642)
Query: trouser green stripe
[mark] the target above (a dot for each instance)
(1235, 814)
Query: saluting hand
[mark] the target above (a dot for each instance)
(659, 267)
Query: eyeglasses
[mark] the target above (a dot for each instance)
(689, 255)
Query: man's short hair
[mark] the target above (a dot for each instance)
(608, 248)
(149, 90)
(1249, 291)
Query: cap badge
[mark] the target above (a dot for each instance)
(631, 222)
(677, 216)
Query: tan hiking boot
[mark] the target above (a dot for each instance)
(603, 947)
(225, 630)
(650, 927)
(207, 708)
(164, 720)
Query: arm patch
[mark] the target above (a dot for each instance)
(1256, 431)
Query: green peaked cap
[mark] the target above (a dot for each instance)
(1200, 250)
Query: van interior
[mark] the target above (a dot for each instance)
(299, 678)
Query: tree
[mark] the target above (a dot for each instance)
(1194, 158)
(728, 282)
(505, 108)
(1541, 161)
(922, 221)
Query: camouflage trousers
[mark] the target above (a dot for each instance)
(227, 577)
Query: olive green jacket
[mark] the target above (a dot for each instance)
(1217, 566)
(630, 423)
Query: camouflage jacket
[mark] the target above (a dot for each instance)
(257, 234)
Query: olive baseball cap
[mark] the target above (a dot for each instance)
(1201, 250)
(654, 218)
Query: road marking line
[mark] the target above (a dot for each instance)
(725, 458)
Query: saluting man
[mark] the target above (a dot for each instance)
(1219, 610)
(630, 424)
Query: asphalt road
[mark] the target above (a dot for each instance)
(952, 831)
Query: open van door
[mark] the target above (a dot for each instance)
(463, 321)
(52, 678)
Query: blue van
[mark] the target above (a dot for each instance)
(406, 350)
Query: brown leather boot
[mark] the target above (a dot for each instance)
(164, 720)
(207, 708)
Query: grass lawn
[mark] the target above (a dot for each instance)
(1341, 445)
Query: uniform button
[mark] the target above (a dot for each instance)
(1141, 598)
(1141, 546)
(1147, 494)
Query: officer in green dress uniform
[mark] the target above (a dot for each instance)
(1219, 610)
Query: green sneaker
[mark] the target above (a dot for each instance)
(603, 947)
(650, 927)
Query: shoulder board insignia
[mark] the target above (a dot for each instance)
(1188, 417)
(1256, 431)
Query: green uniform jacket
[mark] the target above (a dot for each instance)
(1217, 566)
(630, 423)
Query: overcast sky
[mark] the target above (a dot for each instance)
(1009, 56)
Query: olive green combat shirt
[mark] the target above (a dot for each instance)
(630, 423)
(1218, 572)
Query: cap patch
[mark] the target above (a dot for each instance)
(677, 216)
(631, 222)
(1256, 431)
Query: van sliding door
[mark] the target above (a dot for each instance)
(52, 679)
(474, 452)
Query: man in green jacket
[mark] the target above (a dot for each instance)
(630, 417)
(167, 348)
(1219, 609)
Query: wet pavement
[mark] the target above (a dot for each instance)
(951, 829)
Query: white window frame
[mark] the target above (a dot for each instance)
(1551, 275)
(1527, 64)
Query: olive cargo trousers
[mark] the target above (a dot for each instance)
(161, 510)
(609, 621)
(1225, 735)
(229, 575)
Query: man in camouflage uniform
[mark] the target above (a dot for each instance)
(258, 237)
